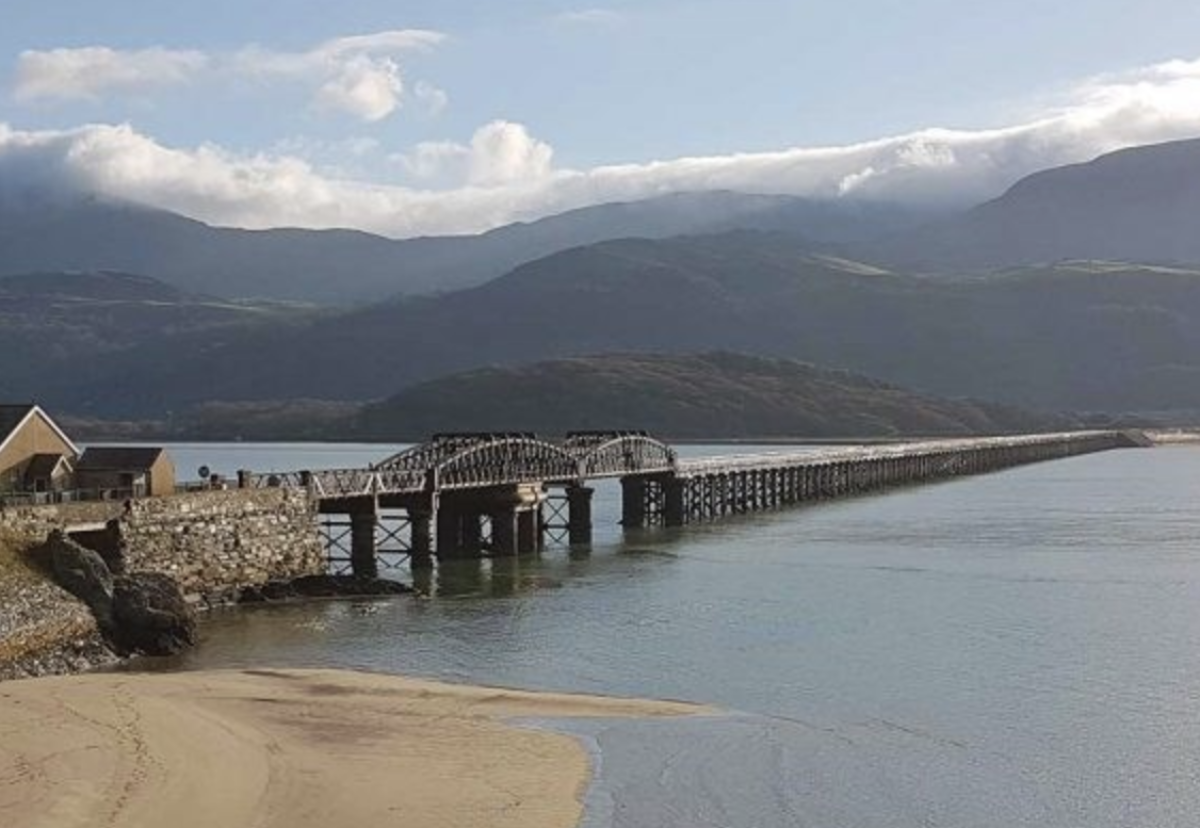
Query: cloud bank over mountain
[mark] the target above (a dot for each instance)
(504, 173)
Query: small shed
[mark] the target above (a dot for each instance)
(35, 454)
(126, 471)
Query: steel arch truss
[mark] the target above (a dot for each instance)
(476, 460)
(618, 453)
(505, 461)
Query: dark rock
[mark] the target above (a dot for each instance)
(279, 590)
(335, 586)
(143, 613)
(321, 586)
(150, 615)
(83, 573)
(108, 542)
(252, 594)
(114, 553)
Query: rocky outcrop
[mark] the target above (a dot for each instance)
(83, 573)
(150, 615)
(143, 613)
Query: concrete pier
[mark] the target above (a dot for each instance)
(633, 501)
(362, 543)
(529, 530)
(504, 532)
(579, 505)
(449, 534)
(421, 553)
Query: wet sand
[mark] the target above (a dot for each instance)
(290, 749)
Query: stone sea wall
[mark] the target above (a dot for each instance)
(212, 543)
(215, 543)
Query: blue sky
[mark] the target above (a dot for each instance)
(411, 117)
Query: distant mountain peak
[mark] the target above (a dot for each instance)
(1136, 204)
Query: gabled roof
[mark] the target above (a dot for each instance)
(118, 458)
(43, 466)
(13, 417)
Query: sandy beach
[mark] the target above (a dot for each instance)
(289, 748)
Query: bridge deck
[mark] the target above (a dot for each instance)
(459, 462)
(724, 463)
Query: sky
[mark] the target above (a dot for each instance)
(453, 116)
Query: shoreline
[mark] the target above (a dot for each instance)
(294, 747)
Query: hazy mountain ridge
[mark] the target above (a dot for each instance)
(346, 267)
(1140, 204)
(1075, 336)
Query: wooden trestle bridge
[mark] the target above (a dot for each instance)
(470, 495)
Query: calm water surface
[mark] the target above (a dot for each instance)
(1019, 648)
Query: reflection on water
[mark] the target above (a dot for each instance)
(1017, 648)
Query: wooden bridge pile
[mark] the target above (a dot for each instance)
(715, 487)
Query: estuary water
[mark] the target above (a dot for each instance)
(1017, 648)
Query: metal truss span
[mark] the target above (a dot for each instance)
(478, 460)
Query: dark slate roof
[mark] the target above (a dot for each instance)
(118, 458)
(42, 466)
(11, 417)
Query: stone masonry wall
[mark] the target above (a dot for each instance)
(212, 543)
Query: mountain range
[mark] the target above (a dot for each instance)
(1095, 332)
(348, 267)
(1077, 335)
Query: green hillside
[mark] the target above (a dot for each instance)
(714, 395)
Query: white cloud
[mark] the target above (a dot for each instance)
(435, 160)
(90, 72)
(359, 75)
(500, 153)
(430, 99)
(369, 88)
(504, 174)
(505, 153)
(385, 43)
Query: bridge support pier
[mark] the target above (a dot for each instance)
(579, 514)
(450, 535)
(633, 502)
(421, 551)
(529, 523)
(513, 512)
(504, 532)
(471, 531)
(673, 505)
(362, 543)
